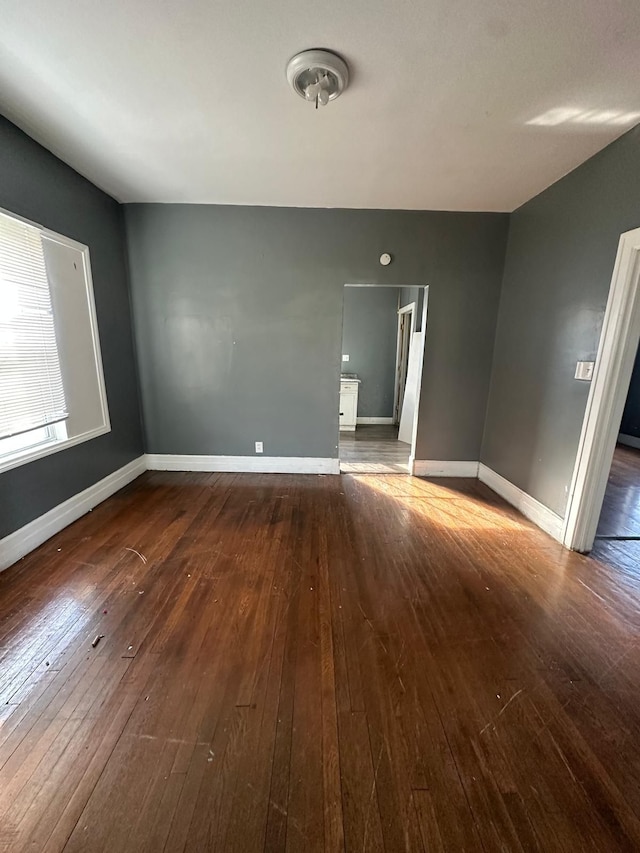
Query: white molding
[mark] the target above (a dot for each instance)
(386, 421)
(97, 352)
(423, 344)
(629, 440)
(15, 460)
(22, 541)
(40, 451)
(439, 468)
(83, 249)
(541, 515)
(243, 464)
(410, 307)
(607, 395)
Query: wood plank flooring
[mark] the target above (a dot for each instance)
(620, 514)
(309, 663)
(373, 449)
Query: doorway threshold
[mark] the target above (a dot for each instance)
(374, 467)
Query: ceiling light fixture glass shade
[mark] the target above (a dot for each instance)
(318, 76)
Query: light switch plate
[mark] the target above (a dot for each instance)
(259, 447)
(584, 371)
(345, 357)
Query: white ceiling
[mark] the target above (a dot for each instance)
(453, 104)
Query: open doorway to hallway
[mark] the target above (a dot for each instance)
(382, 353)
(620, 515)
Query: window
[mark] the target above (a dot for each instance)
(51, 384)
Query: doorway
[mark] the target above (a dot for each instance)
(382, 357)
(610, 384)
(620, 514)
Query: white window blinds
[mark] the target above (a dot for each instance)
(31, 389)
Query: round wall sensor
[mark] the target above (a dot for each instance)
(385, 259)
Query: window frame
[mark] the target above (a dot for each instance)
(39, 451)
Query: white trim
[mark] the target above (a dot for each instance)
(20, 542)
(629, 440)
(423, 332)
(378, 284)
(387, 421)
(42, 450)
(105, 426)
(607, 395)
(95, 337)
(20, 218)
(541, 515)
(38, 452)
(243, 464)
(409, 308)
(423, 344)
(440, 468)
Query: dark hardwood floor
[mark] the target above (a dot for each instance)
(620, 514)
(373, 449)
(306, 663)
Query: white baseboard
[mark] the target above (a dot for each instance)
(439, 468)
(20, 542)
(243, 464)
(629, 440)
(385, 421)
(541, 515)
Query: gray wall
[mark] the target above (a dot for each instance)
(38, 186)
(238, 320)
(561, 250)
(631, 416)
(369, 336)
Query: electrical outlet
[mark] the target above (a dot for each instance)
(259, 447)
(345, 357)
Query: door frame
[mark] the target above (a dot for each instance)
(406, 309)
(423, 333)
(617, 349)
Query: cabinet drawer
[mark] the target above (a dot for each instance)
(349, 387)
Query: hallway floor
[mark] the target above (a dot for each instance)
(620, 516)
(373, 449)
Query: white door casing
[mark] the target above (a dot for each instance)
(612, 373)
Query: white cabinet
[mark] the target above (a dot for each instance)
(348, 403)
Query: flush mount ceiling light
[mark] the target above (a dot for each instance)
(318, 76)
